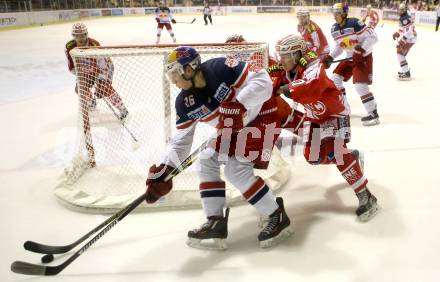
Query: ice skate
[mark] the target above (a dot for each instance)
(277, 228)
(371, 119)
(405, 76)
(216, 228)
(359, 156)
(368, 206)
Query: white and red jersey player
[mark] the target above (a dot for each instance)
(312, 33)
(164, 18)
(372, 16)
(92, 73)
(327, 122)
(406, 37)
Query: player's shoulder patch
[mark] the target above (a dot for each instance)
(71, 44)
(311, 27)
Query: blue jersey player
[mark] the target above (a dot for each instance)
(236, 98)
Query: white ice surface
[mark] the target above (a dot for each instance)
(38, 104)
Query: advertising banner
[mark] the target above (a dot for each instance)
(84, 14)
(117, 12)
(149, 11)
(274, 9)
(106, 12)
(7, 20)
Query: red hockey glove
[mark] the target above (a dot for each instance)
(156, 187)
(396, 35)
(173, 21)
(358, 55)
(157, 20)
(231, 116)
(327, 61)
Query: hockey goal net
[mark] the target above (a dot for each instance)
(112, 154)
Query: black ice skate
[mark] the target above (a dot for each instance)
(404, 75)
(368, 206)
(215, 228)
(371, 119)
(359, 156)
(277, 227)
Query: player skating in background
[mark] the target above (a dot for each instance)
(326, 128)
(312, 33)
(93, 73)
(164, 19)
(372, 16)
(356, 39)
(207, 11)
(405, 37)
(235, 97)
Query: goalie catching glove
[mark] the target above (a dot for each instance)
(231, 116)
(156, 186)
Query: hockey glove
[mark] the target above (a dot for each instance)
(327, 61)
(277, 75)
(173, 21)
(402, 42)
(396, 35)
(156, 187)
(358, 55)
(231, 116)
(157, 20)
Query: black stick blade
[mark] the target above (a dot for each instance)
(28, 268)
(193, 20)
(45, 249)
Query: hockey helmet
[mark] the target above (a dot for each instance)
(290, 45)
(339, 8)
(402, 7)
(235, 38)
(368, 6)
(302, 12)
(79, 29)
(179, 58)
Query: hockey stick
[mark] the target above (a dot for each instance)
(136, 144)
(191, 22)
(36, 269)
(342, 60)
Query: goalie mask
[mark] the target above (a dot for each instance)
(178, 59)
(303, 17)
(79, 33)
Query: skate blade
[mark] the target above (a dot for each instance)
(207, 244)
(272, 242)
(367, 216)
(371, 123)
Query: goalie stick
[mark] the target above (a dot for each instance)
(36, 269)
(135, 144)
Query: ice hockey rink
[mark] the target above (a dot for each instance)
(401, 243)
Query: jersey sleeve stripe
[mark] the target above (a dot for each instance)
(211, 116)
(242, 77)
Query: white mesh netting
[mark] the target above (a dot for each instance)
(112, 155)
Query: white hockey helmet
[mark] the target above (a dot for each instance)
(290, 45)
(302, 12)
(402, 7)
(79, 29)
(368, 6)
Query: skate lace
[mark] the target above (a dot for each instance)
(273, 222)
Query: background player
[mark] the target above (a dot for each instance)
(236, 98)
(356, 39)
(164, 19)
(207, 11)
(372, 16)
(312, 33)
(97, 73)
(406, 37)
(327, 121)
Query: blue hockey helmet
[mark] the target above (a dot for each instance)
(179, 58)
